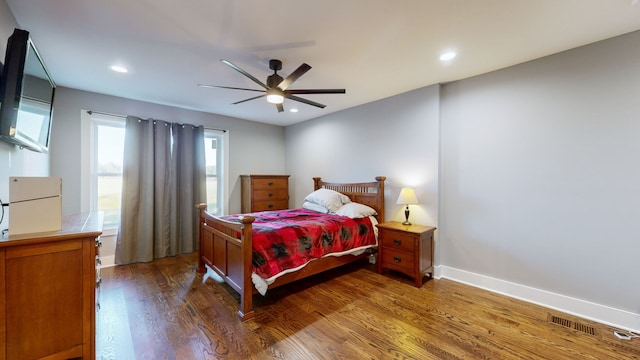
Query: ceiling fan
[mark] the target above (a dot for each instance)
(277, 89)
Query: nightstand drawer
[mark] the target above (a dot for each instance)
(396, 240)
(398, 260)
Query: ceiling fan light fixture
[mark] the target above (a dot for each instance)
(274, 96)
(277, 88)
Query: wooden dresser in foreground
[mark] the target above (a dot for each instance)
(406, 248)
(48, 292)
(264, 192)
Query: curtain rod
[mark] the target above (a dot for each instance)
(90, 112)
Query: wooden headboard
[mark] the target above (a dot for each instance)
(367, 193)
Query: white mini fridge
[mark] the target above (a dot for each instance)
(35, 204)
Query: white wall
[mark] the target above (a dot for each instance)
(395, 137)
(13, 161)
(540, 180)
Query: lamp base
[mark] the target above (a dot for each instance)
(406, 216)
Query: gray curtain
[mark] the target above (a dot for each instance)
(163, 180)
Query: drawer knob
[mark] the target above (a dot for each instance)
(270, 206)
(397, 259)
(270, 195)
(397, 242)
(270, 183)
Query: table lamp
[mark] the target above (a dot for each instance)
(407, 197)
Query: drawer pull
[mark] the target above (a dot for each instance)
(397, 259)
(397, 242)
(270, 195)
(270, 183)
(270, 206)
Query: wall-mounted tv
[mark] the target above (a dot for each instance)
(26, 93)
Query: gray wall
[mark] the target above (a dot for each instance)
(530, 173)
(253, 147)
(395, 137)
(540, 176)
(534, 168)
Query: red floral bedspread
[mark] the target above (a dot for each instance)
(286, 239)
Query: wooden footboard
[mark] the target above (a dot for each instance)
(226, 247)
(229, 256)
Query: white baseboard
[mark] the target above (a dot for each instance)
(600, 313)
(107, 261)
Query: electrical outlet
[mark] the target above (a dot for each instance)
(621, 335)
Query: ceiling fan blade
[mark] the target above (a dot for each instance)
(301, 70)
(244, 73)
(316, 91)
(253, 98)
(308, 102)
(227, 87)
(280, 107)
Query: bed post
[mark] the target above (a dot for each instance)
(201, 210)
(316, 183)
(246, 294)
(380, 180)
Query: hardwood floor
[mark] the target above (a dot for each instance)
(161, 310)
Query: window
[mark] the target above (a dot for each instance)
(107, 143)
(214, 150)
(103, 139)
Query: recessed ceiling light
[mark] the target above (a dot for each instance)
(293, 110)
(120, 69)
(448, 56)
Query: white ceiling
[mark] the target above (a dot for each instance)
(372, 48)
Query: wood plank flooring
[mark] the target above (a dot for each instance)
(161, 310)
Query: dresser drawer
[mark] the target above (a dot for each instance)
(270, 205)
(396, 240)
(270, 195)
(398, 260)
(267, 184)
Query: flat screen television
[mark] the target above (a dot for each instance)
(26, 93)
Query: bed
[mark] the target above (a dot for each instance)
(227, 243)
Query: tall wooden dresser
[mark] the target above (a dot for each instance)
(264, 192)
(48, 292)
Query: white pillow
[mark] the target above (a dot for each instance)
(330, 199)
(315, 207)
(356, 210)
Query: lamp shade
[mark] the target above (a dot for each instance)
(407, 197)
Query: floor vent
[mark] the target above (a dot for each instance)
(572, 324)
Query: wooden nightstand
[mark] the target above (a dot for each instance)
(406, 248)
